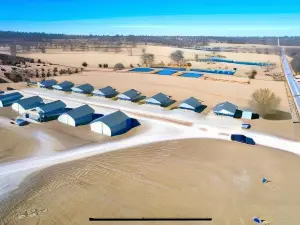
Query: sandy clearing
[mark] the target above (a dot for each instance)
(187, 178)
(210, 92)
(161, 54)
(44, 139)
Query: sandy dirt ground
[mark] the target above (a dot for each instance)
(161, 55)
(189, 178)
(43, 139)
(210, 92)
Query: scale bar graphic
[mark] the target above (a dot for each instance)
(150, 219)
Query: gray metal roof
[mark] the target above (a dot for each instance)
(113, 119)
(106, 90)
(160, 97)
(84, 88)
(132, 93)
(48, 83)
(52, 106)
(191, 102)
(80, 111)
(225, 106)
(64, 85)
(31, 102)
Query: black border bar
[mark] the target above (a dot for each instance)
(150, 219)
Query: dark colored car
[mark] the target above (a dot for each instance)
(246, 126)
(242, 139)
(21, 122)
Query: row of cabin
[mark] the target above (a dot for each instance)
(36, 109)
(231, 110)
(131, 95)
(37, 103)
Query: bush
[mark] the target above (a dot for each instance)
(84, 64)
(55, 70)
(119, 66)
(264, 102)
(100, 65)
(252, 74)
(76, 70)
(39, 61)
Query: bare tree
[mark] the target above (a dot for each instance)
(264, 101)
(129, 50)
(148, 59)
(177, 56)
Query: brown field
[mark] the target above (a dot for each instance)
(190, 178)
(43, 139)
(161, 55)
(210, 92)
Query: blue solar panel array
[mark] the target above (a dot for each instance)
(172, 68)
(143, 70)
(214, 59)
(167, 72)
(224, 72)
(193, 75)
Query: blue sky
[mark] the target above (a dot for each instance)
(154, 17)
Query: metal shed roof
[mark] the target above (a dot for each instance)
(113, 119)
(108, 90)
(52, 106)
(31, 102)
(80, 111)
(48, 83)
(64, 85)
(191, 102)
(132, 93)
(160, 97)
(225, 106)
(11, 95)
(83, 88)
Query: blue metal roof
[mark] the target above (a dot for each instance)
(194, 75)
(225, 106)
(132, 93)
(191, 102)
(66, 85)
(48, 83)
(11, 95)
(167, 72)
(106, 91)
(80, 111)
(160, 97)
(52, 106)
(31, 102)
(143, 70)
(84, 88)
(113, 119)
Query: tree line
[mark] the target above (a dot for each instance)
(6, 36)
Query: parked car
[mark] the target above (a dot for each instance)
(21, 122)
(242, 139)
(10, 89)
(246, 126)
